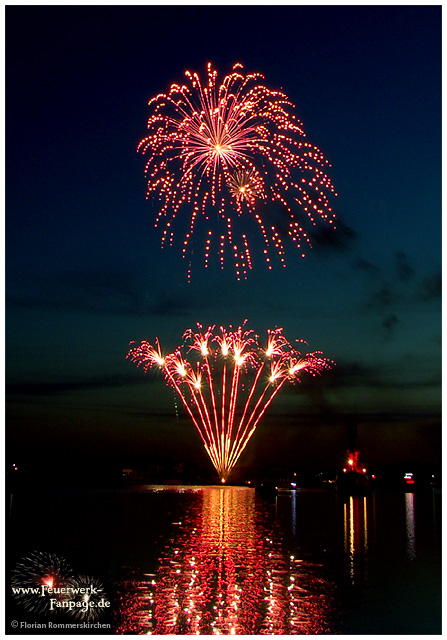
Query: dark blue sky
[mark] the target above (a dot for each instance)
(84, 269)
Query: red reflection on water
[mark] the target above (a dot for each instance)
(135, 602)
(211, 581)
(226, 574)
(355, 531)
(409, 521)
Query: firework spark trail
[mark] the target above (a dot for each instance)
(231, 364)
(196, 423)
(225, 149)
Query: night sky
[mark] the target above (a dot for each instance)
(85, 273)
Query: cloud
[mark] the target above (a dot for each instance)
(392, 293)
(386, 296)
(340, 238)
(119, 293)
(430, 288)
(382, 299)
(94, 290)
(360, 264)
(349, 374)
(355, 375)
(389, 323)
(49, 388)
(405, 270)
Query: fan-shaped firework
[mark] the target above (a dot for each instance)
(38, 578)
(220, 151)
(226, 381)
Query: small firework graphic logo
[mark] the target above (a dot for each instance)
(38, 578)
(45, 583)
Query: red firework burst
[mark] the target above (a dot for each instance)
(234, 150)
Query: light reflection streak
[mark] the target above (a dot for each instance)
(227, 572)
(294, 512)
(355, 516)
(409, 520)
(365, 525)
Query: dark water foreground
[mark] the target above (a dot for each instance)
(208, 560)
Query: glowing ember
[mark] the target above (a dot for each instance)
(226, 381)
(231, 149)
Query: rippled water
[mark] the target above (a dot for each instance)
(221, 560)
(227, 570)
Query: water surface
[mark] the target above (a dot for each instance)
(221, 560)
